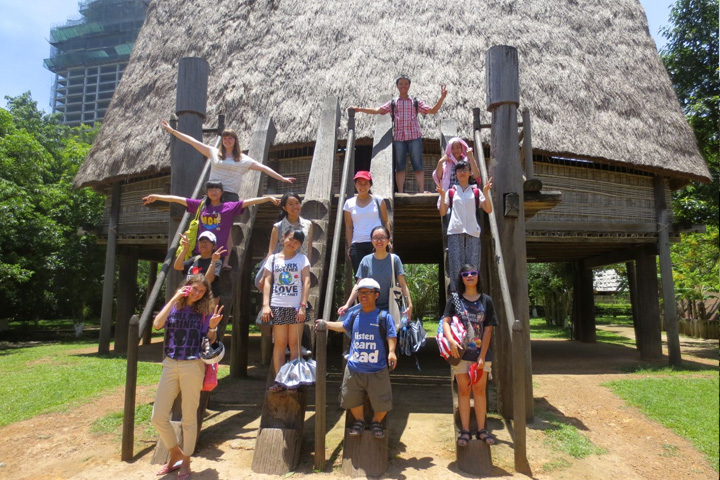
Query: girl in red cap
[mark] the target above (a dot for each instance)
(363, 212)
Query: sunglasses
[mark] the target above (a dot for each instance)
(471, 273)
(379, 239)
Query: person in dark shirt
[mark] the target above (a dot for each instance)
(209, 262)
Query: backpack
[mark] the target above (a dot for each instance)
(392, 108)
(476, 191)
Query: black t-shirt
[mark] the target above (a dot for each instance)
(480, 313)
(198, 265)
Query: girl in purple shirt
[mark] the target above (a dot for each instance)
(216, 216)
(187, 317)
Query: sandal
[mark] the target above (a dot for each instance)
(276, 387)
(487, 437)
(377, 429)
(464, 438)
(357, 428)
(169, 468)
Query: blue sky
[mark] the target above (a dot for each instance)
(25, 27)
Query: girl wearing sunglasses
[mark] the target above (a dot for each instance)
(475, 309)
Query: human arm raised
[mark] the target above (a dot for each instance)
(270, 172)
(164, 198)
(473, 164)
(443, 94)
(215, 319)
(161, 318)
(443, 205)
(197, 145)
(180, 259)
(486, 205)
(258, 200)
(370, 111)
(210, 274)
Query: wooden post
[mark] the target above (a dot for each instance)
(519, 437)
(318, 195)
(632, 287)
(320, 394)
(128, 435)
(381, 165)
(584, 304)
(649, 339)
(321, 337)
(241, 330)
(448, 130)
(152, 277)
(186, 163)
(262, 138)
(668, 286)
(502, 100)
(531, 183)
(126, 298)
(364, 455)
(109, 277)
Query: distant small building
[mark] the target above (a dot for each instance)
(89, 56)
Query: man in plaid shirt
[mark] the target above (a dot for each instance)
(407, 137)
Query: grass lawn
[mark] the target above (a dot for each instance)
(54, 378)
(682, 401)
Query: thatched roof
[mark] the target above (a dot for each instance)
(589, 73)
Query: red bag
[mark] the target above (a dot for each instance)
(210, 381)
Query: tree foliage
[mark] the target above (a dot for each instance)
(695, 270)
(551, 285)
(422, 282)
(49, 264)
(691, 59)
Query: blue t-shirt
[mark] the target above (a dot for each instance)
(367, 347)
(381, 272)
(184, 331)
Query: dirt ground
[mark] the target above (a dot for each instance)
(568, 378)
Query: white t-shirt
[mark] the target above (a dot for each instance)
(287, 284)
(364, 218)
(283, 226)
(228, 171)
(463, 216)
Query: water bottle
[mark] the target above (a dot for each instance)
(403, 321)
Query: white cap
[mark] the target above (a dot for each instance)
(209, 235)
(368, 283)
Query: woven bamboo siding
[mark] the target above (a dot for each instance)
(299, 168)
(137, 221)
(593, 195)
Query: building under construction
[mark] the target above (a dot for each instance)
(89, 56)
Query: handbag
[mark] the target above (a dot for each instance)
(396, 301)
(298, 372)
(210, 381)
(191, 233)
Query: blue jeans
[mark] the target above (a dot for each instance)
(402, 147)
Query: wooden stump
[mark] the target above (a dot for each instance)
(364, 455)
(277, 449)
(475, 458)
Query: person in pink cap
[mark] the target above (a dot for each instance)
(363, 212)
(456, 150)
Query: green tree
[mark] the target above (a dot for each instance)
(691, 59)
(550, 285)
(695, 270)
(422, 282)
(49, 265)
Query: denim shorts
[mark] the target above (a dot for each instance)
(414, 147)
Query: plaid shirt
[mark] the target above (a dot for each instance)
(406, 125)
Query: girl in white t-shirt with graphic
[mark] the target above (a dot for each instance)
(229, 164)
(285, 297)
(363, 212)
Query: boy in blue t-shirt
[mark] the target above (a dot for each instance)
(368, 362)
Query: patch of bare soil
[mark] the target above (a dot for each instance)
(568, 378)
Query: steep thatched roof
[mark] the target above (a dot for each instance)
(589, 73)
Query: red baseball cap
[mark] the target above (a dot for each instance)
(364, 174)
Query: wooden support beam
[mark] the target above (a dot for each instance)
(649, 338)
(126, 299)
(583, 305)
(277, 449)
(364, 455)
(502, 81)
(109, 277)
(616, 256)
(262, 138)
(186, 163)
(381, 165)
(448, 130)
(632, 287)
(668, 286)
(152, 277)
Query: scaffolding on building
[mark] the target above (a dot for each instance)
(89, 55)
